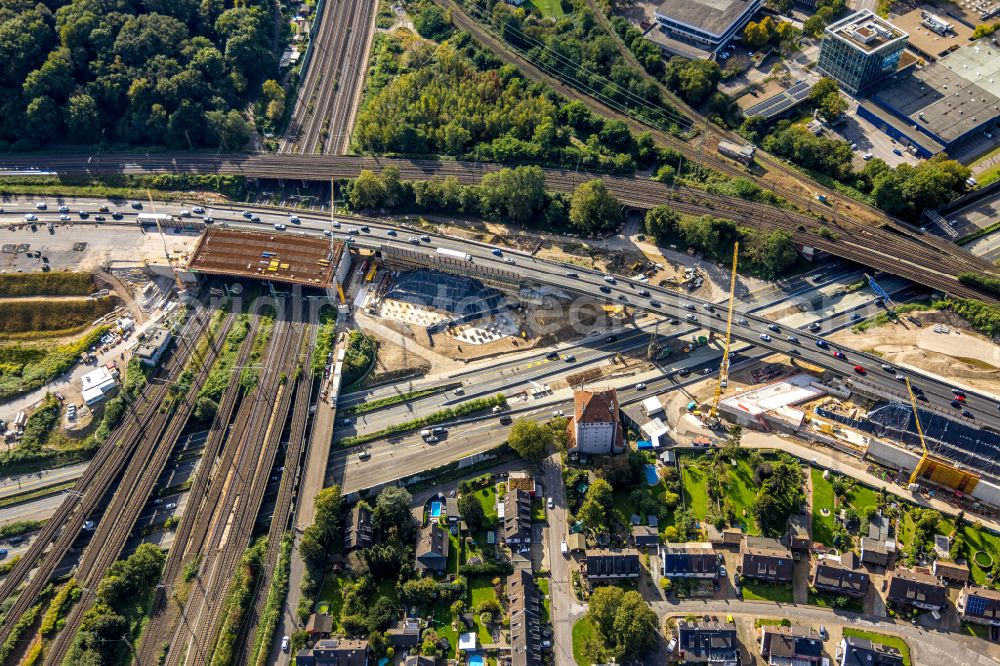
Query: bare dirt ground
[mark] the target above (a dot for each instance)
(906, 344)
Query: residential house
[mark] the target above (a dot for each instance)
(644, 536)
(525, 637)
(611, 565)
(766, 560)
(840, 574)
(576, 542)
(856, 651)
(952, 572)
(405, 634)
(432, 548)
(797, 536)
(319, 626)
(358, 532)
(596, 426)
(713, 643)
(335, 652)
(690, 560)
(874, 553)
(915, 589)
(516, 520)
(418, 660)
(790, 646)
(979, 605)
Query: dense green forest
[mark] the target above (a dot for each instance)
(173, 72)
(455, 99)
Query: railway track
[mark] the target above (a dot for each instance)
(284, 507)
(64, 527)
(237, 496)
(195, 512)
(324, 114)
(132, 494)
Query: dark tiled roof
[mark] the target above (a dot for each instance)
(644, 535)
(835, 576)
(911, 587)
(335, 652)
(689, 558)
(608, 564)
(951, 571)
(791, 642)
(432, 547)
(358, 533)
(517, 516)
(862, 652)
(524, 619)
(766, 559)
(715, 641)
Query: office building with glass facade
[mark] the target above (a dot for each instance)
(860, 51)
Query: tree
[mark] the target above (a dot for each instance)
(593, 512)
(432, 23)
(392, 513)
(593, 208)
(661, 221)
(779, 495)
(368, 191)
(755, 35)
(693, 79)
(420, 591)
(530, 439)
(472, 511)
(517, 193)
(624, 621)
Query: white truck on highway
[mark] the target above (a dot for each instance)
(454, 254)
(155, 218)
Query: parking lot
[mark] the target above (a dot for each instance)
(870, 140)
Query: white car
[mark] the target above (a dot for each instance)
(170, 506)
(41, 205)
(609, 279)
(558, 412)
(765, 337)
(62, 209)
(887, 367)
(551, 503)
(88, 525)
(185, 212)
(866, 156)
(65, 218)
(30, 217)
(294, 219)
(641, 386)
(198, 209)
(285, 642)
(564, 547)
(327, 232)
(508, 260)
(280, 227)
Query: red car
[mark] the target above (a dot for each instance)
(839, 354)
(959, 397)
(858, 369)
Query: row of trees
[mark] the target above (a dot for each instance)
(771, 254)
(905, 191)
(171, 71)
(518, 195)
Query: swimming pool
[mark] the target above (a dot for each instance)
(475, 660)
(651, 477)
(435, 509)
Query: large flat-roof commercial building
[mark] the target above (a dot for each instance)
(941, 105)
(860, 51)
(698, 28)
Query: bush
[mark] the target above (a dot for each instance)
(502, 568)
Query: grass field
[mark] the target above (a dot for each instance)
(45, 284)
(480, 590)
(583, 631)
(332, 594)
(442, 625)
(740, 491)
(861, 497)
(985, 541)
(884, 639)
(542, 583)
(781, 594)
(488, 500)
(548, 8)
(824, 600)
(52, 317)
(822, 498)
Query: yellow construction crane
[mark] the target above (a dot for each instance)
(937, 470)
(713, 412)
(920, 432)
(166, 251)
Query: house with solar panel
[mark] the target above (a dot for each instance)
(979, 605)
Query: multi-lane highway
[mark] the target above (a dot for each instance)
(890, 247)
